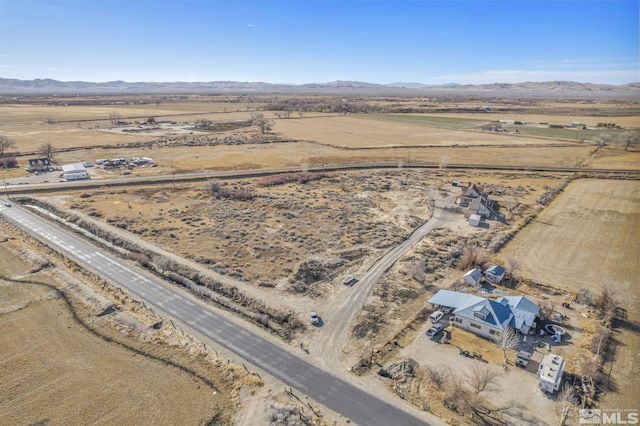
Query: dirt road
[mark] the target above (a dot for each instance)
(327, 346)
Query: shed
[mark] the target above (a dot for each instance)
(475, 219)
(494, 274)
(472, 277)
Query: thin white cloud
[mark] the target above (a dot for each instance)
(586, 64)
(52, 69)
(518, 76)
(251, 26)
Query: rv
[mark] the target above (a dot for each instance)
(550, 370)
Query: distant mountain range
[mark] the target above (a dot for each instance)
(548, 89)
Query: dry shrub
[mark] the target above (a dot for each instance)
(473, 256)
(280, 414)
(438, 376)
(590, 368)
(215, 189)
(280, 179)
(599, 340)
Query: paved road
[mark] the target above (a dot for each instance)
(336, 394)
(13, 187)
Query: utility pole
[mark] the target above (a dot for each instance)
(6, 191)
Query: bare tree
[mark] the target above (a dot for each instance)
(114, 118)
(457, 397)
(568, 400)
(46, 149)
(607, 301)
(438, 375)
(508, 340)
(472, 256)
(599, 340)
(601, 140)
(514, 267)
(263, 124)
(630, 138)
(6, 144)
(283, 114)
(481, 378)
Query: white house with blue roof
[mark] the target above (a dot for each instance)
(488, 318)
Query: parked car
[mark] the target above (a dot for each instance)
(522, 359)
(436, 316)
(7, 204)
(349, 281)
(313, 316)
(437, 328)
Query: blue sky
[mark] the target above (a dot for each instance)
(431, 42)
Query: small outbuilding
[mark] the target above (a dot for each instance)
(475, 219)
(473, 277)
(494, 274)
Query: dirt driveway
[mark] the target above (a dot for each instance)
(514, 386)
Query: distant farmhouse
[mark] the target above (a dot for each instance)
(39, 165)
(477, 202)
(488, 318)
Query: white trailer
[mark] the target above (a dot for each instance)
(76, 176)
(551, 369)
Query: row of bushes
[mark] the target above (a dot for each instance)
(283, 323)
(281, 179)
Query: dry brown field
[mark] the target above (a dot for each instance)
(56, 372)
(358, 131)
(588, 237)
(348, 219)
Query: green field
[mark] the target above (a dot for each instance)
(453, 123)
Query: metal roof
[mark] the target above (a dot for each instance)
(496, 314)
(495, 270)
(454, 299)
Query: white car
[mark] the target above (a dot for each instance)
(313, 316)
(436, 316)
